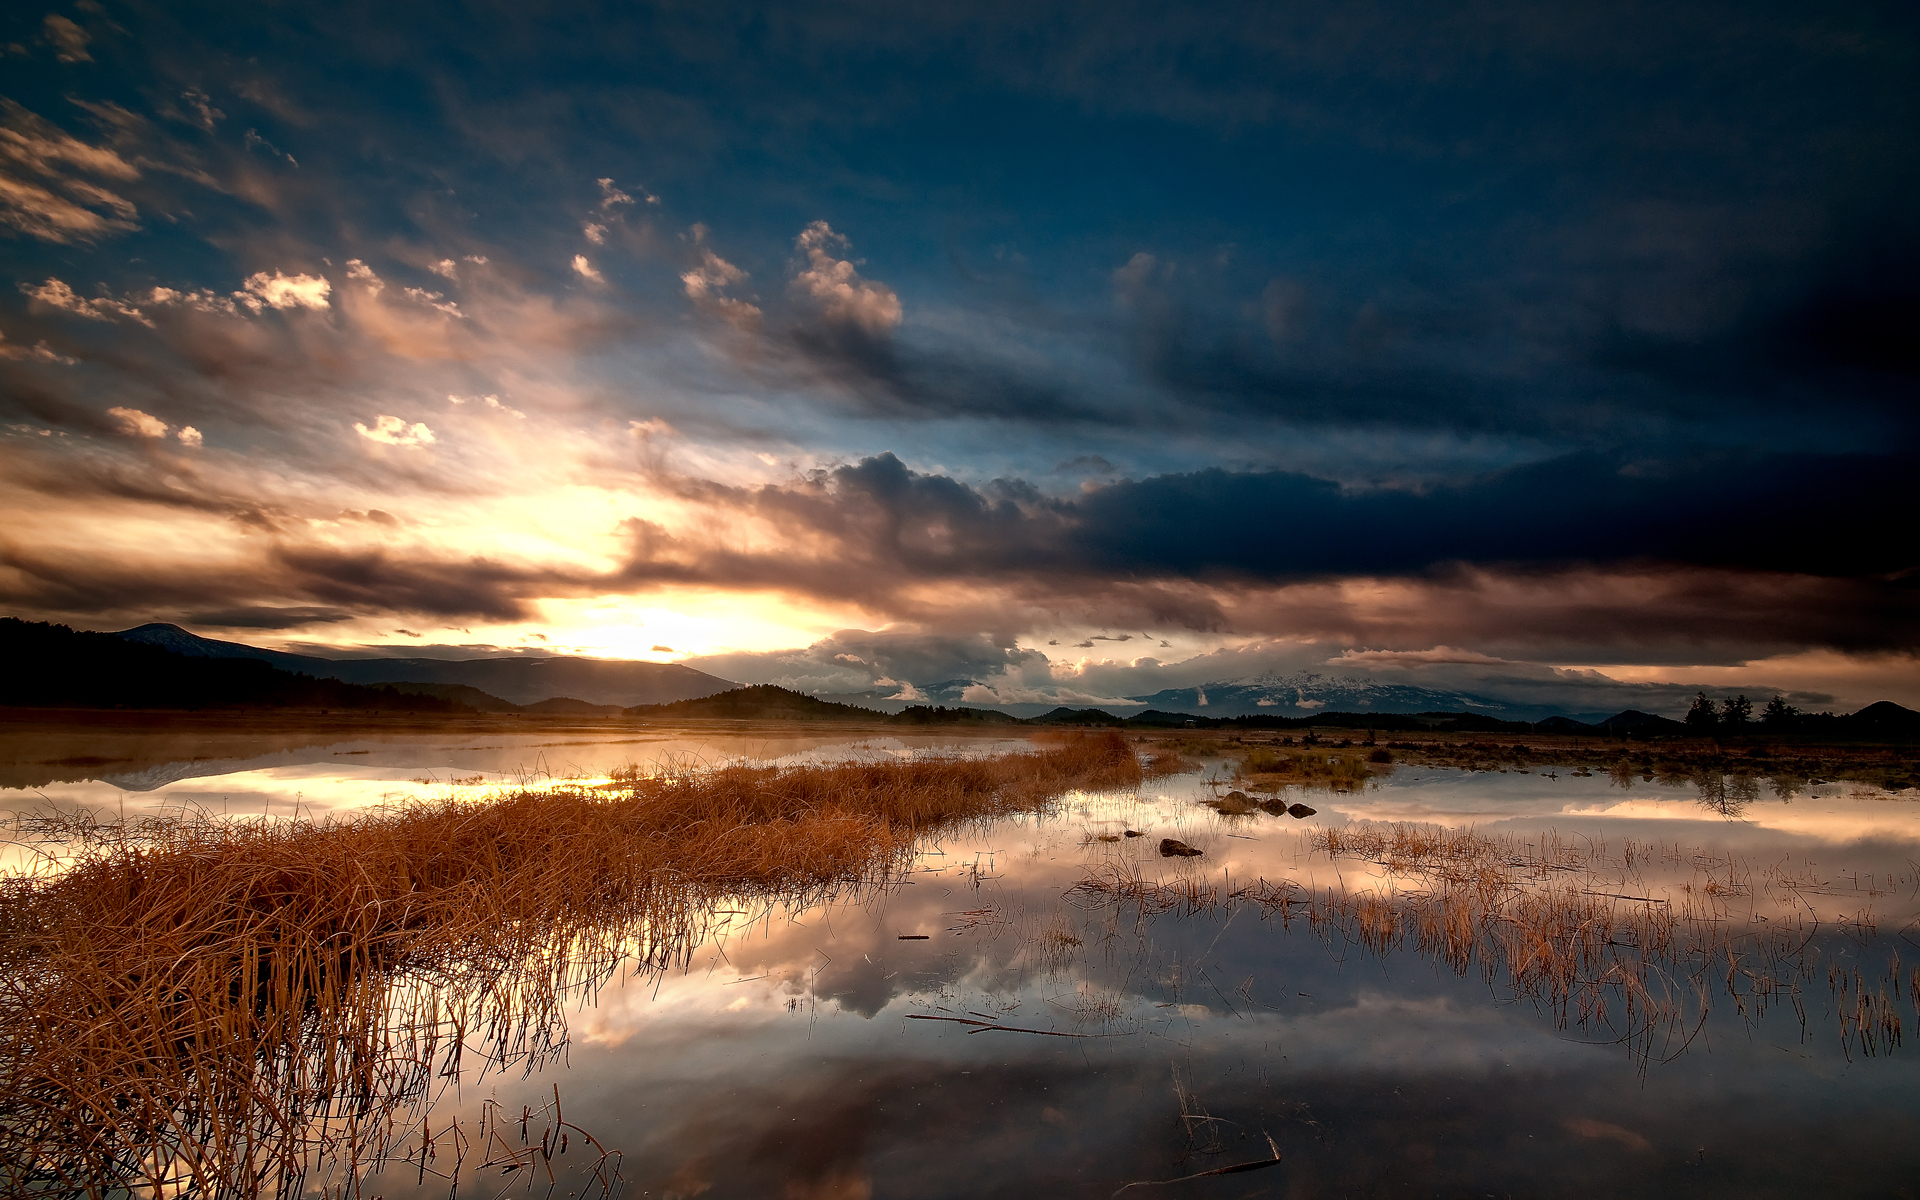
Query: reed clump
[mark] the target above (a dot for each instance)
(1268, 769)
(213, 1006)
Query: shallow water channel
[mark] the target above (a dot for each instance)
(984, 1026)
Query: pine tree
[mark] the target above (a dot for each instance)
(1701, 718)
(1736, 714)
(1778, 713)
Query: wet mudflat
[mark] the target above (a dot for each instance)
(1390, 996)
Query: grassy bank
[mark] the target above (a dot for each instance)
(207, 1004)
(1326, 757)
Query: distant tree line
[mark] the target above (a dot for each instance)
(1735, 717)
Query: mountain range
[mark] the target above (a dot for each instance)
(1301, 694)
(165, 667)
(518, 681)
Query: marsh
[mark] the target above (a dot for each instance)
(1439, 980)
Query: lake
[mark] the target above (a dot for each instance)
(1033, 1010)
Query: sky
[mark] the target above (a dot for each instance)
(1081, 350)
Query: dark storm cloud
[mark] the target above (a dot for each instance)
(375, 580)
(1844, 332)
(1736, 543)
(883, 378)
(1820, 515)
(1638, 613)
(337, 583)
(263, 617)
(1791, 513)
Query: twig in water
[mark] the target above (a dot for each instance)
(1259, 1164)
(985, 1026)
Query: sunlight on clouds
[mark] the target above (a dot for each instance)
(55, 293)
(139, 424)
(837, 288)
(693, 621)
(285, 291)
(434, 300)
(706, 283)
(56, 204)
(392, 431)
(38, 352)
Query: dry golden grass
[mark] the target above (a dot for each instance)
(214, 1006)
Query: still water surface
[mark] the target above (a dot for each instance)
(794, 1058)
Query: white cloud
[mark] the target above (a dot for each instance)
(435, 300)
(56, 294)
(68, 40)
(585, 268)
(837, 288)
(705, 284)
(392, 431)
(611, 196)
(446, 267)
(364, 273)
(189, 436)
(596, 233)
(478, 260)
(493, 402)
(138, 424)
(284, 291)
(200, 300)
(650, 428)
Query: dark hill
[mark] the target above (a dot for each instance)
(761, 702)
(52, 666)
(922, 714)
(568, 706)
(1077, 716)
(459, 693)
(1634, 723)
(1882, 720)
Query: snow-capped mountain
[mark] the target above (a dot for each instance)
(1303, 694)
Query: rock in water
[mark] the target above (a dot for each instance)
(1235, 805)
(1174, 847)
(1300, 810)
